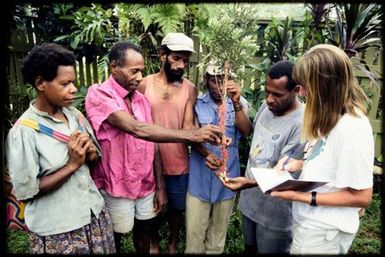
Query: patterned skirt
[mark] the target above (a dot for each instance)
(94, 238)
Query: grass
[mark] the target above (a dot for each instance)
(367, 241)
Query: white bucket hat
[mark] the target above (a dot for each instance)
(214, 70)
(178, 42)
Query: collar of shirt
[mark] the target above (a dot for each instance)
(207, 99)
(65, 110)
(121, 91)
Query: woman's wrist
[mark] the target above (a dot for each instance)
(304, 197)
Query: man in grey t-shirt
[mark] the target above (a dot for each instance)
(266, 221)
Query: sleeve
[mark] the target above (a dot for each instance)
(23, 161)
(100, 104)
(244, 102)
(260, 110)
(354, 155)
(294, 147)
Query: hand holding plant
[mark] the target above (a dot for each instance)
(233, 91)
(212, 161)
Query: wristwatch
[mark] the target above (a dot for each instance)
(313, 201)
(238, 107)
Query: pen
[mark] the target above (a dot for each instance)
(290, 155)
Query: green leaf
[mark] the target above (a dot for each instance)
(145, 17)
(60, 38)
(74, 44)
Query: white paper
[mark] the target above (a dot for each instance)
(271, 179)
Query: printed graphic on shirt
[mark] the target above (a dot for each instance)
(263, 148)
(315, 150)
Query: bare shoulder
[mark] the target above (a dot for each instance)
(142, 85)
(193, 90)
(189, 83)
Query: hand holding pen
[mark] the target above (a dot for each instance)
(288, 158)
(294, 165)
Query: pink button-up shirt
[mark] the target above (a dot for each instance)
(126, 168)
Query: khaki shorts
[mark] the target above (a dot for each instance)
(320, 241)
(124, 210)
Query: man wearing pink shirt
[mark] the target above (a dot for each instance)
(129, 175)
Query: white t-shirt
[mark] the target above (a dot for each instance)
(345, 158)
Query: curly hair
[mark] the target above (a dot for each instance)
(281, 69)
(44, 60)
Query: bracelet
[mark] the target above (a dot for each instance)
(313, 201)
(238, 107)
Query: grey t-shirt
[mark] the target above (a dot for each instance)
(273, 138)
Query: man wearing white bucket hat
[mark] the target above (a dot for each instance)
(208, 203)
(172, 98)
(178, 42)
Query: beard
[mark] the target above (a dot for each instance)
(172, 75)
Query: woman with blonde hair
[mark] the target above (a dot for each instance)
(340, 150)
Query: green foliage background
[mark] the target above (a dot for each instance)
(231, 34)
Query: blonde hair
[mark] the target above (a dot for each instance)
(326, 73)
